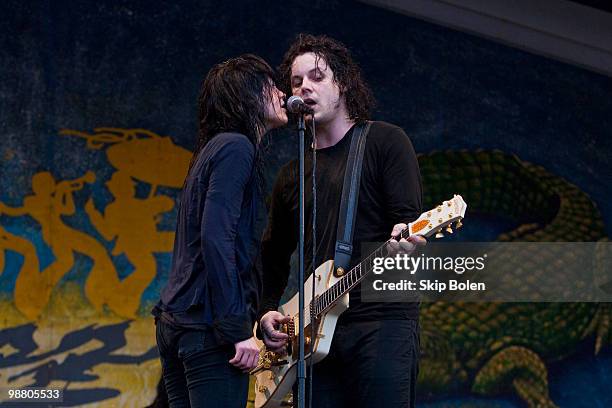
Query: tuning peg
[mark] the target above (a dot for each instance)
(458, 224)
(449, 229)
(439, 234)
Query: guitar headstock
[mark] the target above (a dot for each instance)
(440, 218)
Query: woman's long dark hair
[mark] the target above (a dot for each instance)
(233, 98)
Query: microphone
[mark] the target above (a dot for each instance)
(295, 104)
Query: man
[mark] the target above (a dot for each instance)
(374, 353)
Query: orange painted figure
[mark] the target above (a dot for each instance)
(133, 222)
(144, 156)
(30, 269)
(50, 202)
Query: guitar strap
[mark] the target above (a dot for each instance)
(350, 195)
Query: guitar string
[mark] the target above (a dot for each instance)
(352, 278)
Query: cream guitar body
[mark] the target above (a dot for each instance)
(274, 383)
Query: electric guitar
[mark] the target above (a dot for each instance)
(276, 373)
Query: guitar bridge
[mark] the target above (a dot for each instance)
(289, 329)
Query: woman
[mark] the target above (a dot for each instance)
(206, 312)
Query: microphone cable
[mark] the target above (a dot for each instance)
(314, 260)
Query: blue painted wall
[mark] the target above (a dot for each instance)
(138, 64)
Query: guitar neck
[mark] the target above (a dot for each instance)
(428, 223)
(353, 277)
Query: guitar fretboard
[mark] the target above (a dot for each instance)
(352, 278)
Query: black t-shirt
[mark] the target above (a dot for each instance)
(390, 193)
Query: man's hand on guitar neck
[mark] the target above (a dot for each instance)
(404, 246)
(274, 339)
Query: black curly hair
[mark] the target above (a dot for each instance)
(347, 74)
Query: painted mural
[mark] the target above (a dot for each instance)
(97, 115)
(96, 342)
(493, 349)
(89, 339)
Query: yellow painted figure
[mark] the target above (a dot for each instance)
(50, 202)
(29, 272)
(133, 222)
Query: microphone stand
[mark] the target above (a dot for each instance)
(301, 365)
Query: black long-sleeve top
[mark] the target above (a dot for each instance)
(390, 193)
(213, 282)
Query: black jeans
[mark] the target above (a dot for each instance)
(196, 370)
(370, 364)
